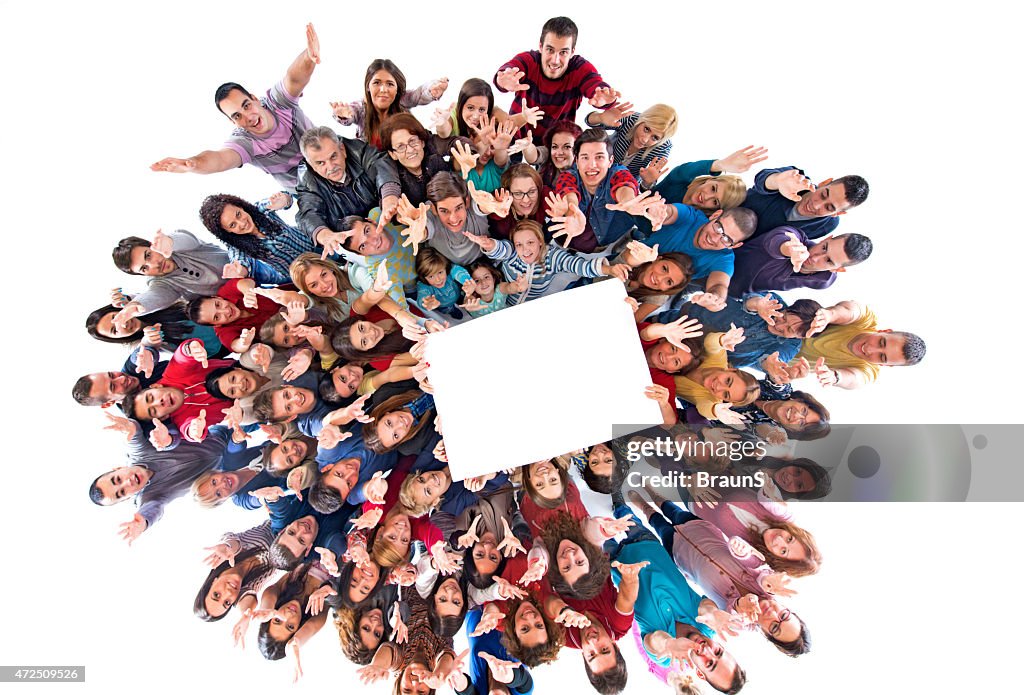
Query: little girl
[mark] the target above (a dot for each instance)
(490, 293)
(439, 281)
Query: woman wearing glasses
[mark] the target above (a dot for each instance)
(528, 192)
(416, 153)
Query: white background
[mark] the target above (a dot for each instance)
(922, 100)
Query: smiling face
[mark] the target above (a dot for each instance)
(364, 335)
(123, 483)
(382, 90)
(572, 562)
(284, 630)
(662, 275)
(290, 402)
(427, 487)
(284, 336)
(486, 557)
(448, 600)
(246, 112)
(593, 163)
(437, 279)
(298, 536)
(827, 201)
(668, 357)
(601, 460)
(791, 414)
(238, 383)
(712, 662)
(725, 385)
(146, 261)
(778, 621)
(411, 680)
(346, 379)
(158, 402)
(528, 246)
(484, 283)
(883, 349)
(221, 485)
(793, 479)
(329, 160)
(397, 531)
(645, 136)
(393, 428)
(525, 196)
(287, 455)
(719, 233)
(782, 543)
(223, 593)
(452, 213)
(545, 480)
(368, 240)
(407, 149)
(341, 476)
(555, 53)
(473, 111)
(371, 628)
(363, 581)
(598, 647)
(105, 326)
(111, 386)
(706, 196)
(529, 625)
(217, 311)
(561, 150)
(827, 255)
(235, 220)
(789, 326)
(320, 281)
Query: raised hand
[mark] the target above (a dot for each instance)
(440, 117)
(510, 80)
(118, 298)
(472, 304)
(160, 437)
(749, 608)
(791, 184)
(768, 308)
(274, 432)
(731, 338)
(197, 427)
(312, 44)
(477, 483)
(152, 336)
(654, 170)
(240, 628)
(333, 242)
(571, 618)
(260, 355)
(613, 115)
(657, 214)
(509, 545)
(826, 375)
(485, 243)
(682, 329)
(611, 526)
(507, 590)
(570, 225)
(822, 318)
(603, 96)
(162, 244)
(619, 271)
(197, 351)
(488, 621)
(234, 269)
(741, 549)
(402, 575)
(537, 568)
(368, 519)
(705, 496)
(376, 488)
(741, 160)
(372, 674)
(293, 481)
(438, 87)
(501, 670)
(632, 570)
(315, 604)
(381, 282)
(708, 300)
(329, 561)
(464, 157)
(359, 555)
(233, 415)
(556, 205)
(430, 302)
(487, 203)
(641, 253)
(131, 530)
(521, 144)
(795, 250)
(521, 284)
(173, 165)
(470, 537)
(778, 583)
(341, 110)
(297, 365)
(724, 413)
(723, 622)
(271, 493)
(775, 369)
(637, 205)
(532, 114)
(415, 232)
(120, 424)
(145, 363)
(446, 563)
(219, 553)
(399, 630)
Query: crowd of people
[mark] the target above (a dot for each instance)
(278, 360)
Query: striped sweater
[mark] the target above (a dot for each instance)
(556, 260)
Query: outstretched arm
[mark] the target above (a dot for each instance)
(206, 162)
(301, 69)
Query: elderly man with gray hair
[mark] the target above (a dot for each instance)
(341, 177)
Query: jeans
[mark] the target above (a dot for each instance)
(666, 527)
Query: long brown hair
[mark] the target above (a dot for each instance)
(302, 264)
(563, 527)
(370, 436)
(371, 119)
(794, 568)
(680, 260)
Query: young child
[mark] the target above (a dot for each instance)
(490, 293)
(439, 282)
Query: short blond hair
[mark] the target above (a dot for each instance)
(661, 118)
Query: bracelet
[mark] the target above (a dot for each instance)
(565, 608)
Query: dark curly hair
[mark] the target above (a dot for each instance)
(211, 210)
(563, 527)
(542, 653)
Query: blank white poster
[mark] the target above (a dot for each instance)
(538, 380)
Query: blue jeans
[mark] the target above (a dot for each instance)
(637, 532)
(666, 527)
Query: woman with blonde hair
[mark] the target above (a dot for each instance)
(713, 386)
(639, 139)
(699, 183)
(325, 284)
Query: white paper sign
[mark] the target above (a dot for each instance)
(538, 380)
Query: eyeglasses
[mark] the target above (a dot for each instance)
(519, 195)
(777, 625)
(717, 226)
(412, 144)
